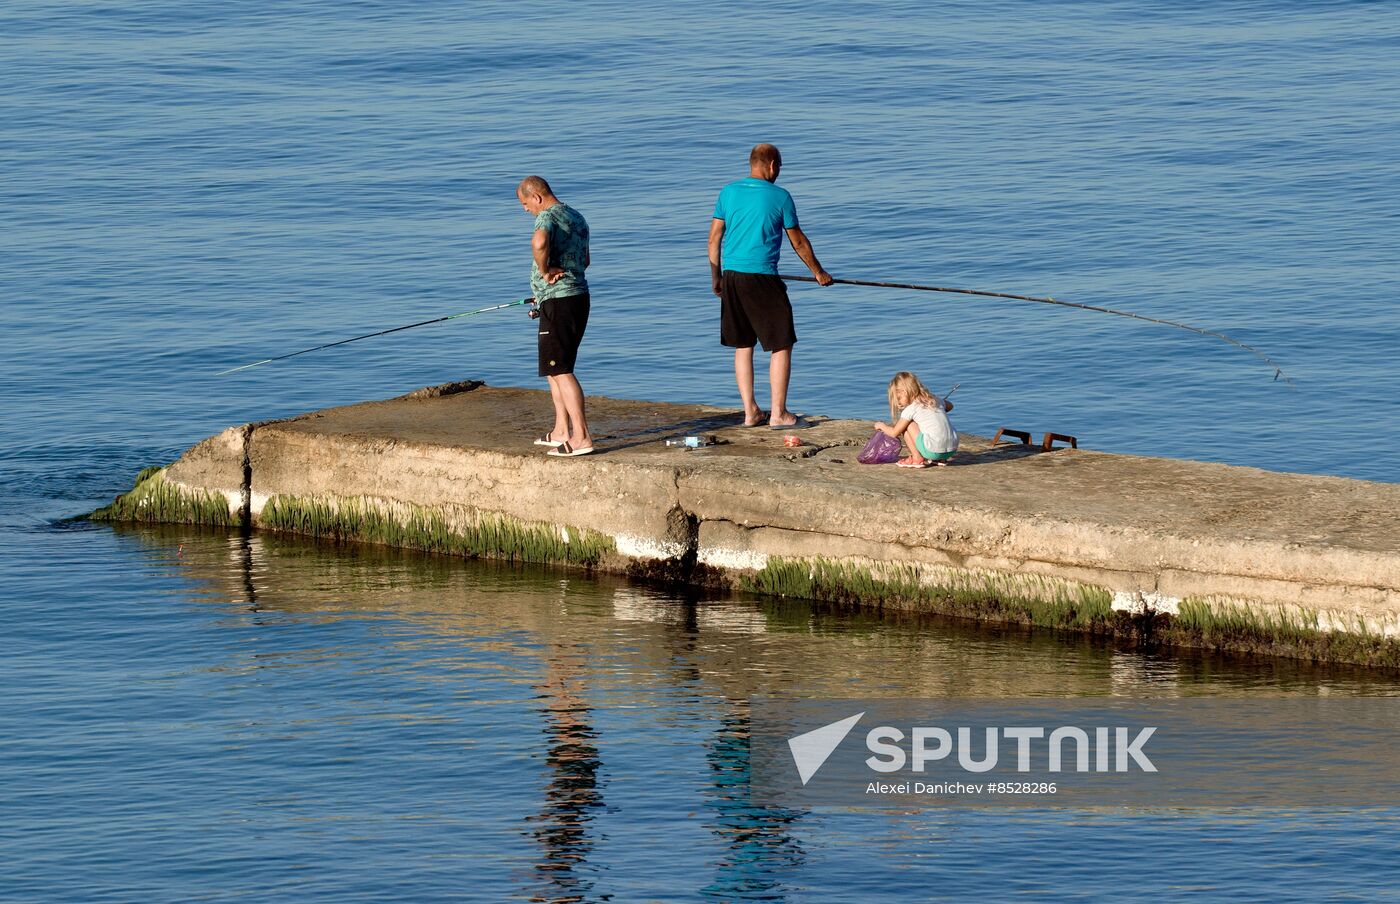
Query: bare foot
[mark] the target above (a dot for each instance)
(755, 418)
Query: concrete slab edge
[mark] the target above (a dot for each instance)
(1023, 592)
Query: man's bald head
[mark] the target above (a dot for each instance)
(764, 162)
(765, 153)
(534, 185)
(535, 194)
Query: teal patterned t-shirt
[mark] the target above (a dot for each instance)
(568, 250)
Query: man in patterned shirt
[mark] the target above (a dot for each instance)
(560, 247)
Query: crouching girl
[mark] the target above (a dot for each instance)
(922, 419)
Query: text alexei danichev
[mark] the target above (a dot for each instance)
(961, 789)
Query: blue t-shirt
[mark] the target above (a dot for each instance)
(755, 214)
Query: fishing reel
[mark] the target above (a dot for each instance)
(534, 309)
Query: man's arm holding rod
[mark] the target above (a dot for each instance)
(803, 246)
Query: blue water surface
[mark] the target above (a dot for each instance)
(191, 186)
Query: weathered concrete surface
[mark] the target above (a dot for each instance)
(1149, 532)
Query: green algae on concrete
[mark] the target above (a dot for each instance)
(418, 527)
(1215, 625)
(1275, 631)
(153, 499)
(1017, 598)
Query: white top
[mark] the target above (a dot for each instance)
(939, 435)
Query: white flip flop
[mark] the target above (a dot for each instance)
(567, 451)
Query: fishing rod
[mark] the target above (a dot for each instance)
(1278, 371)
(397, 329)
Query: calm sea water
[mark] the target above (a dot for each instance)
(192, 186)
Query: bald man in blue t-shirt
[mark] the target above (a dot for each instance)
(746, 236)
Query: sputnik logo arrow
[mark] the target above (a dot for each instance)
(810, 750)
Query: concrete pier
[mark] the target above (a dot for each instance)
(1143, 549)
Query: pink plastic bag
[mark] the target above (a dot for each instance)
(881, 450)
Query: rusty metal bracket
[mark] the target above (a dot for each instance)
(1051, 438)
(1023, 435)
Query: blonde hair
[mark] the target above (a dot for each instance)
(907, 386)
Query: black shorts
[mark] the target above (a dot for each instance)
(562, 322)
(754, 307)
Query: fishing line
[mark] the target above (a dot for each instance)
(1278, 371)
(397, 329)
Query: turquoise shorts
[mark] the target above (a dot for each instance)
(928, 453)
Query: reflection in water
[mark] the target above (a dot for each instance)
(573, 791)
(245, 542)
(761, 846)
(732, 647)
(396, 649)
(760, 850)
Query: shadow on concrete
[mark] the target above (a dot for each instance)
(994, 454)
